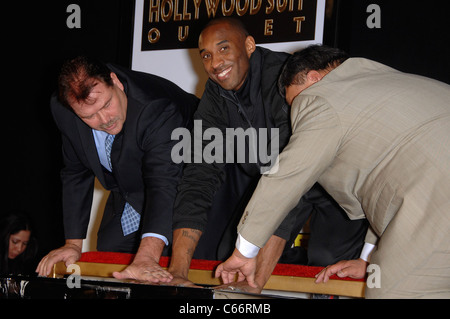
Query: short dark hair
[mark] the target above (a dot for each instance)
(78, 76)
(236, 23)
(315, 57)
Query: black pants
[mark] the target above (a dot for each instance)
(333, 236)
(218, 239)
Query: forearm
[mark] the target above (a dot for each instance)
(75, 243)
(150, 248)
(185, 241)
(267, 259)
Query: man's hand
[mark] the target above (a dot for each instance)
(70, 253)
(345, 268)
(244, 267)
(146, 270)
(266, 260)
(145, 266)
(182, 282)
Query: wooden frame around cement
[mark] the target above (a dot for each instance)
(206, 277)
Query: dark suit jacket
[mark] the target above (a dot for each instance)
(144, 174)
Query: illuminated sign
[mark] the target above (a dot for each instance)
(176, 24)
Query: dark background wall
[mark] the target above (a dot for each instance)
(35, 41)
(414, 35)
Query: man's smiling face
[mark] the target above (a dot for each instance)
(225, 52)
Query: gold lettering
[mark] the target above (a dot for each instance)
(270, 7)
(211, 7)
(154, 9)
(299, 20)
(254, 9)
(241, 11)
(299, 6)
(168, 9)
(165, 16)
(186, 15)
(197, 8)
(182, 37)
(227, 12)
(153, 35)
(268, 26)
(281, 5)
(176, 14)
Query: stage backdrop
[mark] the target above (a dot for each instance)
(166, 32)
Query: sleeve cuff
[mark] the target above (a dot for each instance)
(366, 251)
(246, 248)
(163, 238)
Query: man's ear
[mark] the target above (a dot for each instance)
(250, 45)
(116, 80)
(313, 76)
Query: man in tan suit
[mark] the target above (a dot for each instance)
(378, 140)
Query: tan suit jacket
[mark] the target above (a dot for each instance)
(378, 140)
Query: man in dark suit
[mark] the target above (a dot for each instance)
(116, 125)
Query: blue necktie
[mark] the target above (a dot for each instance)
(130, 217)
